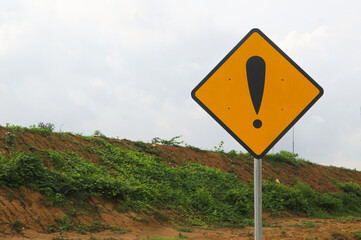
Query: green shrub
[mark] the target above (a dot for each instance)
(351, 187)
(330, 202)
(278, 197)
(241, 199)
(98, 133)
(172, 142)
(285, 157)
(219, 148)
(232, 154)
(145, 148)
(141, 182)
(9, 138)
(21, 169)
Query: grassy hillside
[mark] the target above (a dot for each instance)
(162, 179)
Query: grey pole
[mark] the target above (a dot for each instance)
(258, 199)
(293, 141)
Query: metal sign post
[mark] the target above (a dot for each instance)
(258, 199)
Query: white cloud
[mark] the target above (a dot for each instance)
(127, 67)
(317, 119)
(311, 43)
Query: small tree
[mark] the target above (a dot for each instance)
(48, 126)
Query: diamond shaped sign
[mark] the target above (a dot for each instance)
(257, 93)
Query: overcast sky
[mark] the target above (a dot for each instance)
(127, 68)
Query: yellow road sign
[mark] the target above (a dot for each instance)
(257, 93)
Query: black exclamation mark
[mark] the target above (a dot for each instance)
(256, 72)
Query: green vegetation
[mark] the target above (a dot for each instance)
(98, 133)
(339, 236)
(44, 129)
(66, 223)
(356, 235)
(17, 226)
(48, 126)
(181, 236)
(185, 230)
(145, 148)
(9, 138)
(141, 182)
(286, 157)
(305, 224)
(219, 148)
(172, 142)
(193, 148)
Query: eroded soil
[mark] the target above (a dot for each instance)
(25, 216)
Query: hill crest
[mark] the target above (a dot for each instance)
(275, 166)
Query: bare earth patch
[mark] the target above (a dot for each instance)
(293, 228)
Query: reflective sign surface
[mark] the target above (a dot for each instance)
(257, 93)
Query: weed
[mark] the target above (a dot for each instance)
(356, 235)
(349, 219)
(285, 157)
(37, 219)
(142, 220)
(15, 128)
(234, 162)
(172, 142)
(120, 208)
(347, 169)
(248, 234)
(9, 138)
(10, 196)
(66, 223)
(17, 226)
(248, 168)
(98, 133)
(193, 148)
(309, 224)
(160, 216)
(219, 148)
(296, 225)
(338, 236)
(351, 187)
(232, 154)
(44, 129)
(185, 230)
(93, 238)
(305, 224)
(181, 236)
(145, 148)
(232, 169)
(48, 126)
